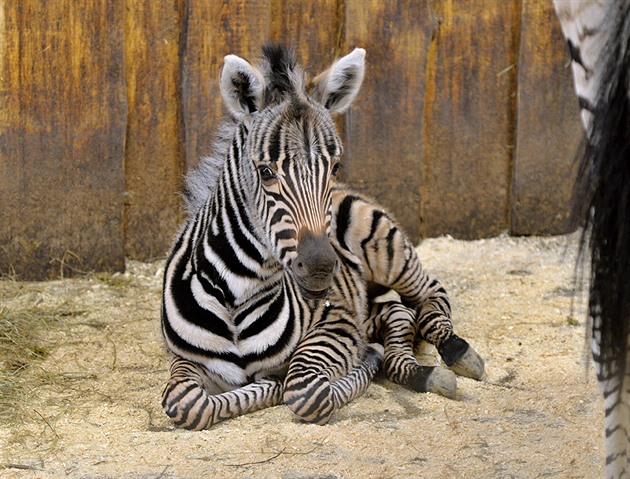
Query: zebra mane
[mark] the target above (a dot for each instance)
(284, 78)
(201, 181)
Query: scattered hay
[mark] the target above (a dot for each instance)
(24, 338)
(114, 280)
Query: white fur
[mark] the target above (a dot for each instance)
(233, 67)
(335, 80)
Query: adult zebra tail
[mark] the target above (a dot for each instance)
(605, 172)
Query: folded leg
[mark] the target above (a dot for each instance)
(329, 369)
(194, 401)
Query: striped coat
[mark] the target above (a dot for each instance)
(266, 288)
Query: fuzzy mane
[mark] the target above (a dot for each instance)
(283, 76)
(201, 180)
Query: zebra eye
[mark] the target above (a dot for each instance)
(266, 173)
(335, 169)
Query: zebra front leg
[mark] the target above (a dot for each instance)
(309, 390)
(189, 397)
(395, 325)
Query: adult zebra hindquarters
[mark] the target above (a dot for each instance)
(598, 36)
(608, 224)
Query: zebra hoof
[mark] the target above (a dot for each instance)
(374, 356)
(437, 380)
(461, 357)
(442, 381)
(470, 365)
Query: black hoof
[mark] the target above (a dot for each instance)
(436, 380)
(462, 358)
(373, 356)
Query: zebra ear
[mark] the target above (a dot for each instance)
(337, 87)
(242, 87)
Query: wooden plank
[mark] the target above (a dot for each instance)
(548, 128)
(314, 28)
(62, 131)
(154, 150)
(384, 147)
(210, 31)
(469, 137)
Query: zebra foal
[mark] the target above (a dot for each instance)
(265, 297)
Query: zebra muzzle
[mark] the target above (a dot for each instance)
(315, 265)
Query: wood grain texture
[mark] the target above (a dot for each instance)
(314, 28)
(469, 117)
(466, 123)
(384, 146)
(548, 128)
(153, 151)
(211, 30)
(62, 134)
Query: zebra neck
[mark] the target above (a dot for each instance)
(230, 253)
(231, 230)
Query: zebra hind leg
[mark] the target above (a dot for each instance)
(395, 325)
(192, 401)
(616, 423)
(309, 391)
(615, 388)
(436, 327)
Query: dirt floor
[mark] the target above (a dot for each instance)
(86, 401)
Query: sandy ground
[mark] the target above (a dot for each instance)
(91, 408)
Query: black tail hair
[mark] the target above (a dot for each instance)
(606, 172)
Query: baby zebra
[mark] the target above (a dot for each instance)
(266, 288)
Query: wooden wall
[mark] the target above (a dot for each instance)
(466, 124)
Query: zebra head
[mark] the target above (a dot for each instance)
(292, 154)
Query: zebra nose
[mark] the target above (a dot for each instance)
(315, 263)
